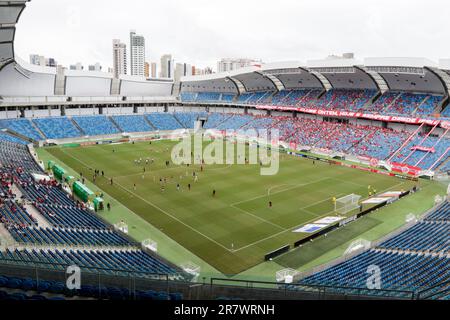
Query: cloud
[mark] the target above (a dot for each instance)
(201, 32)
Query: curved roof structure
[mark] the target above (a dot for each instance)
(21, 79)
(10, 11)
(382, 74)
(398, 74)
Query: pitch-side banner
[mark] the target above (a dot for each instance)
(349, 114)
(405, 169)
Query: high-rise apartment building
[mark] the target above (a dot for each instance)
(167, 66)
(182, 70)
(38, 60)
(199, 71)
(78, 66)
(226, 65)
(95, 67)
(153, 70)
(119, 58)
(137, 54)
(147, 70)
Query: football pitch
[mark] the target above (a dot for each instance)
(236, 228)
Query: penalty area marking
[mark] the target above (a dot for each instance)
(274, 187)
(281, 191)
(234, 204)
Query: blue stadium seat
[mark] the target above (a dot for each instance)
(96, 125)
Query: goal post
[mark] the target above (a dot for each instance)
(348, 203)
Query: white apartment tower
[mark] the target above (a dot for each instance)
(182, 70)
(119, 58)
(167, 66)
(137, 54)
(227, 65)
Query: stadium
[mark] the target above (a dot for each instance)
(89, 186)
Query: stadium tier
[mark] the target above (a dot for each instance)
(235, 122)
(132, 123)
(207, 97)
(164, 121)
(310, 179)
(348, 100)
(215, 119)
(423, 150)
(188, 119)
(122, 262)
(427, 236)
(10, 138)
(259, 122)
(96, 125)
(412, 261)
(289, 97)
(69, 237)
(14, 214)
(56, 290)
(188, 96)
(57, 128)
(23, 127)
(380, 143)
(390, 103)
(68, 224)
(228, 97)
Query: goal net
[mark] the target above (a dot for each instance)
(347, 203)
(150, 244)
(360, 244)
(286, 275)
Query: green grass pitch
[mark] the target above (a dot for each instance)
(235, 229)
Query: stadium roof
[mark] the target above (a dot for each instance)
(10, 11)
(398, 74)
(389, 73)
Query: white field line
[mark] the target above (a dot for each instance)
(349, 182)
(173, 217)
(331, 212)
(259, 218)
(277, 186)
(281, 191)
(150, 171)
(291, 228)
(304, 223)
(162, 210)
(275, 235)
(234, 205)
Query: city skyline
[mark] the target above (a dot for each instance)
(197, 34)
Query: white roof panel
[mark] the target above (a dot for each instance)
(399, 62)
(333, 63)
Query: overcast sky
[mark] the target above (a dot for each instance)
(201, 32)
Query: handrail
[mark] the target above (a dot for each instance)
(420, 144)
(98, 270)
(440, 158)
(406, 142)
(322, 288)
(434, 146)
(421, 293)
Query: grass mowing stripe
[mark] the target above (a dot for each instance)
(310, 251)
(160, 209)
(196, 214)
